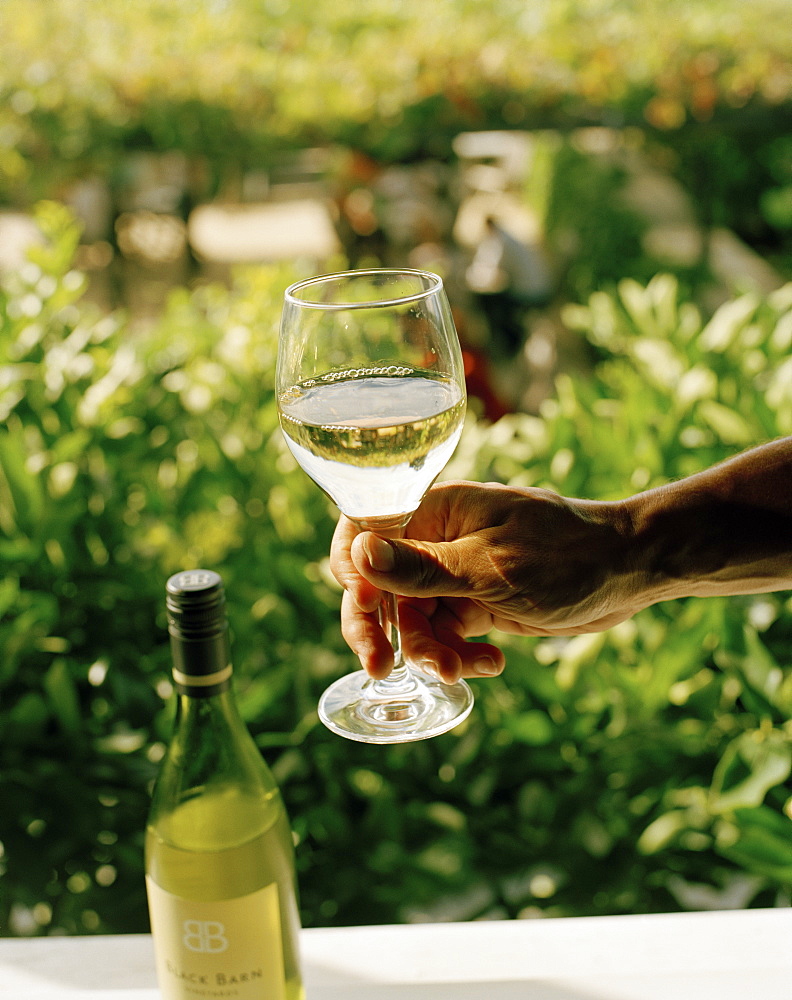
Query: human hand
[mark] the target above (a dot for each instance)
(482, 556)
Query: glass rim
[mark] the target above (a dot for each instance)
(435, 285)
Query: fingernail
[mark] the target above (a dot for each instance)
(486, 666)
(429, 667)
(380, 554)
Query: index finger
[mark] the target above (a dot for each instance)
(365, 595)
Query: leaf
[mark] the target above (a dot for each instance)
(769, 758)
(533, 727)
(659, 360)
(579, 652)
(727, 322)
(731, 427)
(21, 495)
(62, 693)
(763, 845)
(781, 337)
(124, 741)
(664, 292)
(61, 230)
(662, 831)
(446, 816)
(759, 667)
(9, 594)
(696, 383)
(26, 721)
(638, 303)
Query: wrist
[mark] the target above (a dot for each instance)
(626, 553)
(653, 554)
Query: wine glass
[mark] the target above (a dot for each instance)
(371, 398)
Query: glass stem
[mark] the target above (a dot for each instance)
(400, 680)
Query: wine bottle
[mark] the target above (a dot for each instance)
(219, 854)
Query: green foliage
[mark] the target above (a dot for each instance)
(123, 458)
(585, 208)
(670, 743)
(232, 84)
(637, 770)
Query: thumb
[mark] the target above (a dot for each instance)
(411, 568)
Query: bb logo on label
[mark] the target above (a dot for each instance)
(205, 936)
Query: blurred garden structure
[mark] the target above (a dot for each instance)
(639, 157)
(191, 135)
(494, 220)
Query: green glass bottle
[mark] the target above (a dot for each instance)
(219, 852)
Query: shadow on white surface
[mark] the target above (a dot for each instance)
(122, 968)
(112, 965)
(712, 956)
(451, 991)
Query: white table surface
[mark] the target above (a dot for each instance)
(690, 956)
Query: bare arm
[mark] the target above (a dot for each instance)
(527, 561)
(727, 530)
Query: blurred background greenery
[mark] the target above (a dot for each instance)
(649, 148)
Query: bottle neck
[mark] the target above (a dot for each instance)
(201, 667)
(217, 710)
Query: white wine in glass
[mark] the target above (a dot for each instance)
(371, 397)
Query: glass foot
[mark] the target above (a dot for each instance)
(415, 708)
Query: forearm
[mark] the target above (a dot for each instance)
(727, 530)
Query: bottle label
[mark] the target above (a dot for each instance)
(231, 948)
